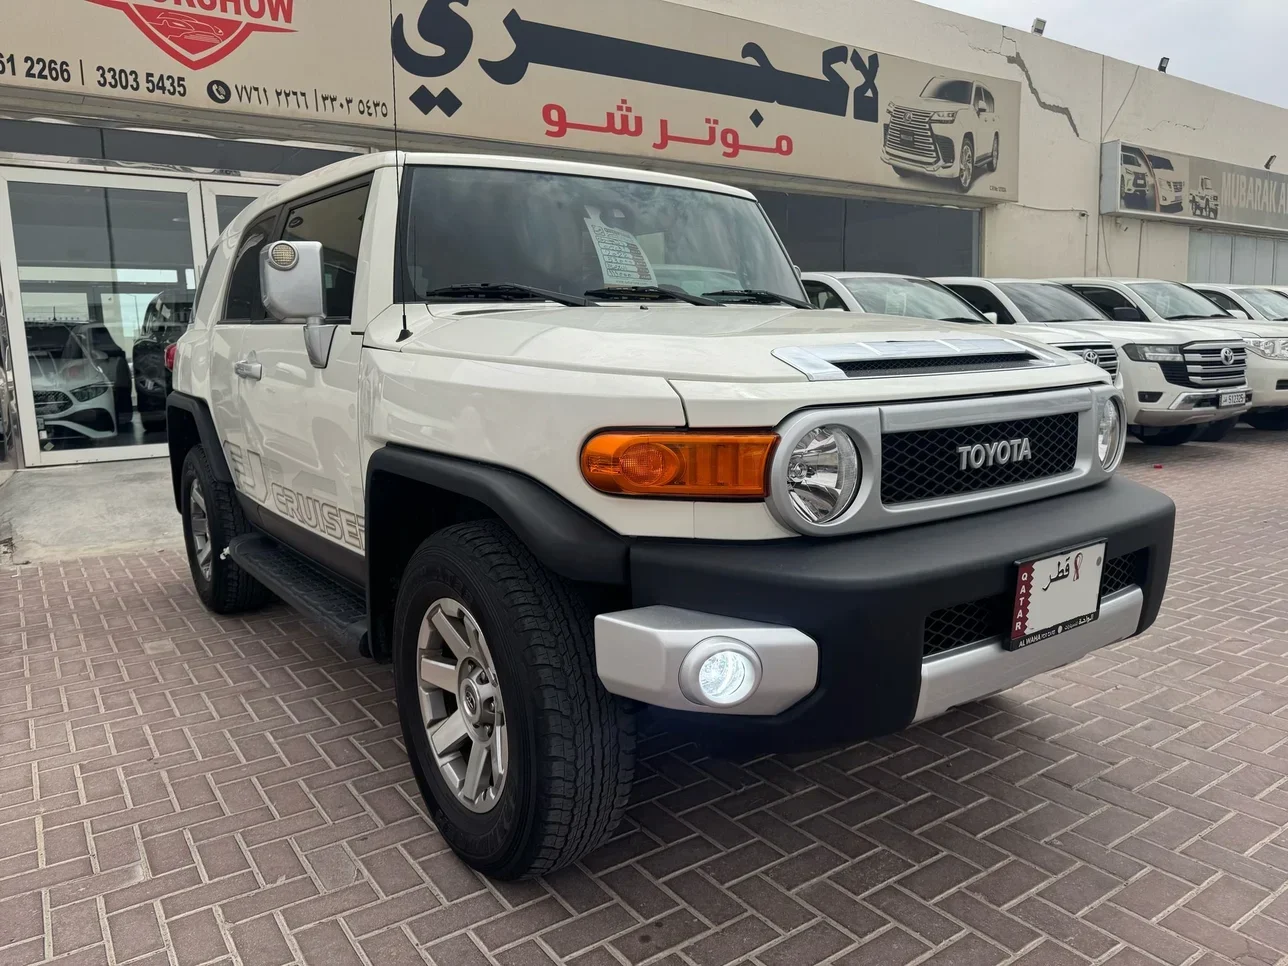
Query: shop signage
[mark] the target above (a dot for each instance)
(1137, 180)
(644, 79)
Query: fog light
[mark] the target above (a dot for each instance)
(720, 672)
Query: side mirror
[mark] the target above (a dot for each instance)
(291, 285)
(992, 317)
(797, 270)
(1128, 313)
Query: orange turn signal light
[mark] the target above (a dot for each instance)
(728, 465)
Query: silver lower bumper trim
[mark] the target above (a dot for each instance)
(963, 676)
(638, 655)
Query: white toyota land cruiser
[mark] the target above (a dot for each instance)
(565, 444)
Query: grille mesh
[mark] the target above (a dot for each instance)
(924, 464)
(912, 367)
(981, 620)
(50, 402)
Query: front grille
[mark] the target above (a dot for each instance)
(922, 366)
(1106, 355)
(982, 620)
(50, 402)
(909, 135)
(926, 464)
(1204, 368)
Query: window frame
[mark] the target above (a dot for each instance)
(322, 194)
(270, 237)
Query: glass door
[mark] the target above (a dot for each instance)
(100, 278)
(221, 202)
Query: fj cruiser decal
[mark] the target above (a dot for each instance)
(323, 518)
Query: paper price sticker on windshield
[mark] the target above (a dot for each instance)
(621, 257)
(1057, 594)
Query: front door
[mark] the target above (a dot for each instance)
(300, 423)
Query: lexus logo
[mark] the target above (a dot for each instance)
(1227, 356)
(994, 454)
(1092, 356)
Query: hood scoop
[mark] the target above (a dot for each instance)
(919, 357)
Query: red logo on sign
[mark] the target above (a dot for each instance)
(198, 33)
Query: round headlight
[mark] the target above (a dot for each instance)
(1109, 434)
(823, 474)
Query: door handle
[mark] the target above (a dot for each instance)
(249, 370)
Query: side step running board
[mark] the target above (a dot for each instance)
(315, 594)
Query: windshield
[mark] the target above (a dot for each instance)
(1131, 160)
(1043, 302)
(571, 234)
(943, 89)
(1176, 302)
(1272, 305)
(1161, 164)
(915, 298)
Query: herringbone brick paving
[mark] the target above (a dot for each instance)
(177, 788)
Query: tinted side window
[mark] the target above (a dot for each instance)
(823, 296)
(1223, 300)
(1105, 298)
(984, 301)
(336, 222)
(244, 302)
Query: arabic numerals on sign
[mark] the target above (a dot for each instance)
(37, 68)
(8, 65)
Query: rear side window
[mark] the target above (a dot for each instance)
(823, 296)
(1105, 298)
(1223, 300)
(982, 300)
(336, 222)
(244, 302)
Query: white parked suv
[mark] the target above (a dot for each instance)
(1197, 354)
(922, 298)
(1266, 310)
(459, 410)
(1157, 411)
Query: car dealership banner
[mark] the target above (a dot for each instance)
(644, 79)
(1137, 180)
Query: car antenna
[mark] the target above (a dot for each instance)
(405, 333)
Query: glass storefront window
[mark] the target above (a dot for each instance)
(105, 281)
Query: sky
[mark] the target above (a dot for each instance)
(1236, 45)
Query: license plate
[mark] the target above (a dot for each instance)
(1229, 399)
(1057, 594)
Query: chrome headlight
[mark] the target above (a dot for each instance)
(943, 117)
(1110, 434)
(86, 393)
(1154, 353)
(1268, 348)
(823, 474)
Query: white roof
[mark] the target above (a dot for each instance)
(844, 275)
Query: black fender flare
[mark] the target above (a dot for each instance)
(199, 412)
(564, 538)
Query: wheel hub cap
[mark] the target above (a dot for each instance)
(460, 705)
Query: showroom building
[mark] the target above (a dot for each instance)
(879, 135)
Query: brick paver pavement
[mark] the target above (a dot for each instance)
(180, 788)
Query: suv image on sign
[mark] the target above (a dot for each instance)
(948, 132)
(455, 409)
(1171, 188)
(1205, 202)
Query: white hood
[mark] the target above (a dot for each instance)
(1153, 333)
(682, 342)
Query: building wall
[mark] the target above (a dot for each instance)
(1074, 100)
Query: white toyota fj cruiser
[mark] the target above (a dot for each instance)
(567, 446)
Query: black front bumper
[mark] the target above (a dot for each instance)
(865, 599)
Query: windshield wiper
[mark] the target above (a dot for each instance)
(760, 296)
(1197, 318)
(500, 292)
(964, 318)
(644, 292)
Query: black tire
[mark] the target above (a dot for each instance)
(991, 167)
(966, 175)
(571, 744)
(1166, 435)
(903, 172)
(228, 589)
(1217, 431)
(1273, 419)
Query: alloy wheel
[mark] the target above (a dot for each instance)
(460, 705)
(968, 166)
(199, 520)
